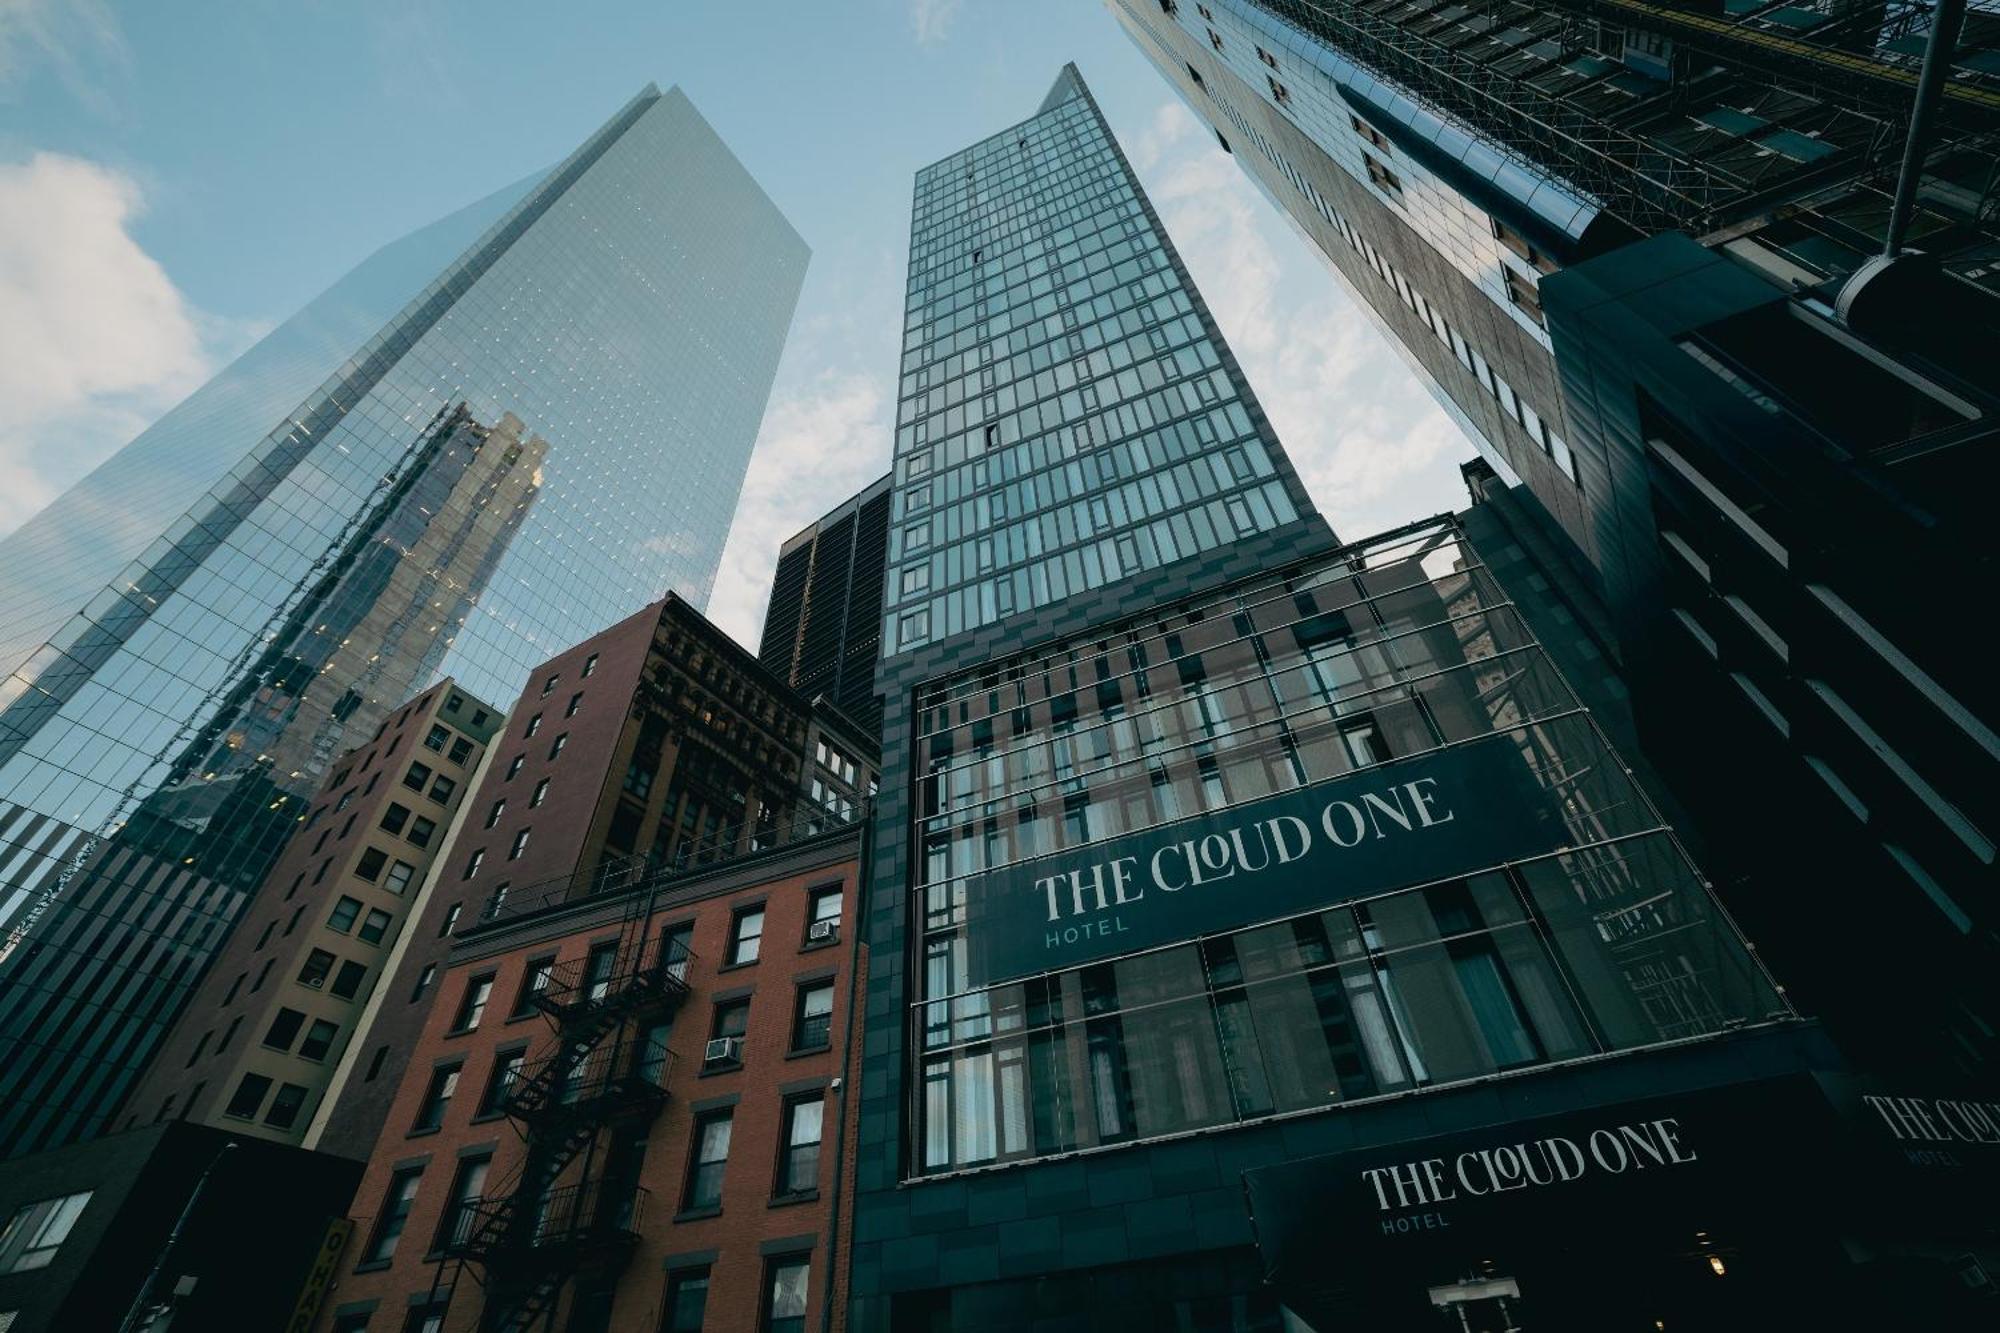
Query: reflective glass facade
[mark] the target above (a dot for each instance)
(1400, 650)
(491, 440)
(1069, 416)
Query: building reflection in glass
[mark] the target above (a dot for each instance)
(492, 439)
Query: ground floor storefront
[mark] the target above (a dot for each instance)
(1782, 1192)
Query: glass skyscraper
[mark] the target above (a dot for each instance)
(491, 439)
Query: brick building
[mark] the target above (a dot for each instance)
(658, 743)
(626, 1107)
(259, 1046)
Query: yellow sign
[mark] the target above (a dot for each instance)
(324, 1264)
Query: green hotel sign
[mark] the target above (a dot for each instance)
(1407, 822)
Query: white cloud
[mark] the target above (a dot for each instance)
(1373, 448)
(97, 340)
(932, 19)
(822, 441)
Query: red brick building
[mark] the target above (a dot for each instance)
(658, 743)
(627, 1111)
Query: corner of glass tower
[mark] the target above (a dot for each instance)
(492, 438)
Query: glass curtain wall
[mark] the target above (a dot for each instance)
(1379, 653)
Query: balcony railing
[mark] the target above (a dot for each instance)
(567, 1225)
(650, 969)
(627, 1077)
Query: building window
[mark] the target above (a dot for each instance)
(262, 972)
(1215, 39)
(461, 1214)
(1523, 294)
(461, 749)
(823, 914)
(650, 1060)
(199, 1046)
(424, 980)
(319, 1039)
(497, 809)
(348, 981)
(395, 1214)
(575, 702)
(589, 666)
(1279, 93)
(1529, 252)
(37, 1230)
(284, 1029)
(556, 745)
(418, 775)
(437, 1098)
(285, 1107)
(506, 1071)
(374, 926)
(746, 936)
(249, 1096)
(917, 578)
(1369, 132)
(400, 875)
(1385, 180)
(1267, 57)
(711, 1154)
(473, 1006)
(369, 867)
(541, 793)
(785, 1298)
(550, 684)
(520, 845)
(687, 1301)
(725, 1046)
(798, 1169)
(473, 862)
(451, 915)
(421, 831)
(395, 817)
(812, 1024)
(534, 981)
(345, 910)
(375, 1063)
(318, 963)
(514, 766)
(442, 788)
(435, 739)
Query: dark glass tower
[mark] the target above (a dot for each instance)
(1132, 925)
(1663, 265)
(823, 627)
(489, 440)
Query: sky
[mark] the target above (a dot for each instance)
(175, 179)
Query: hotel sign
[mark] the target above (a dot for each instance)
(1407, 822)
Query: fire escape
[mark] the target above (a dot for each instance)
(572, 1211)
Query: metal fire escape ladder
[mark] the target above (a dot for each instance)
(534, 1232)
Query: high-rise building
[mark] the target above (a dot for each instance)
(656, 745)
(618, 1040)
(257, 1047)
(823, 627)
(1664, 267)
(491, 438)
(1212, 856)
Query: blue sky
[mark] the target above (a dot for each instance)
(176, 178)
